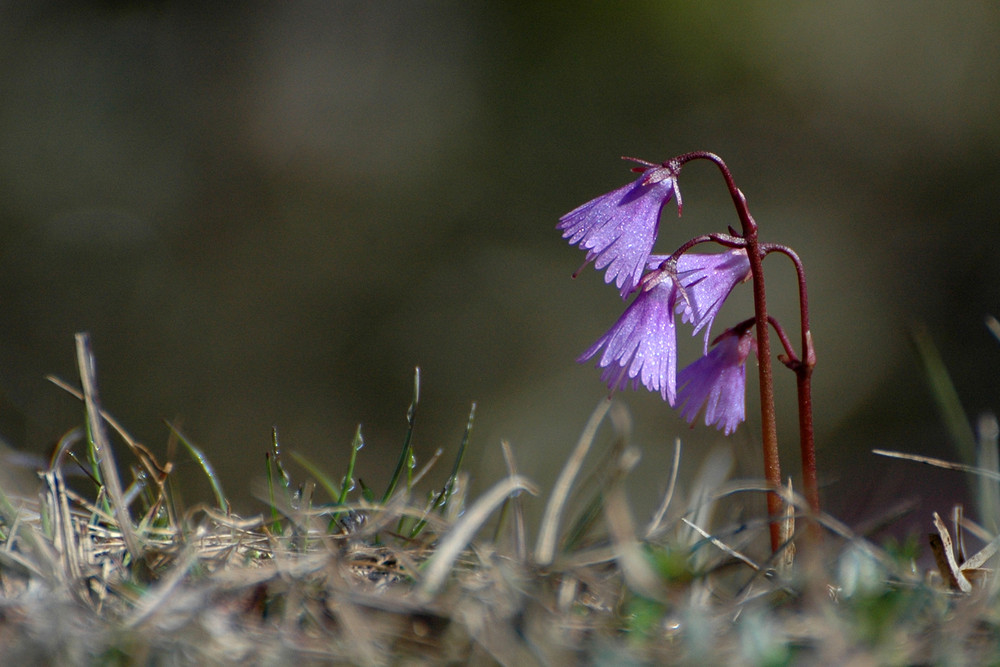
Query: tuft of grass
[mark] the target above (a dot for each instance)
(128, 575)
(204, 464)
(406, 458)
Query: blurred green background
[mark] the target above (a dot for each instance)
(268, 214)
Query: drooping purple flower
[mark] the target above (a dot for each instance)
(618, 229)
(717, 381)
(642, 344)
(707, 281)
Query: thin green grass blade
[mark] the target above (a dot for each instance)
(324, 480)
(93, 469)
(584, 522)
(206, 466)
(275, 470)
(271, 498)
(419, 524)
(347, 483)
(286, 481)
(411, 465)
(356, 445)
(366, 491)
(946, 397)
(404, 455)
(440, 501)
(449, 487)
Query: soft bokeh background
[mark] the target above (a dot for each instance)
(268, 214)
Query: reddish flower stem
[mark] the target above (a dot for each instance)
(789, 357)
(803, 374)
(769, 431)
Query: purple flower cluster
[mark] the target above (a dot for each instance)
(618, 231)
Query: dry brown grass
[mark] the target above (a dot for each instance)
(124, 576)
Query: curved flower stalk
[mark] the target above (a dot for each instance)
(718, 381)
(618, 229)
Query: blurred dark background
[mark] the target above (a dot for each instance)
(268, 214)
